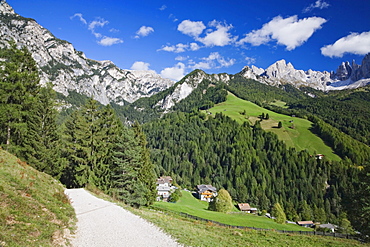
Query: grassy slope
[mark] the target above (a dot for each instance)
(33, 208)
(190, 205)
(194, 233)
(190, 232)
(300, 137)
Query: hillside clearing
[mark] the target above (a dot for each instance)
(295, 132)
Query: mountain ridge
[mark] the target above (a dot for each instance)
(70, 70)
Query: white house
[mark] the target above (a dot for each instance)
(206, 192)
(164, 188)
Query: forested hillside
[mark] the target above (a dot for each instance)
(253, 165)
(349, 111)
(105, 147)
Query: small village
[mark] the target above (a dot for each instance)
(207, 193)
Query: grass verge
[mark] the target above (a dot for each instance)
(34, 211)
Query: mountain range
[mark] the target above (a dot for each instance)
(70, 70)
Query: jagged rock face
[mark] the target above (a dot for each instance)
(346, 76)
(186, 86)
(69, 69)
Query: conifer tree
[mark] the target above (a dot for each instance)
(19, 84)
(146, 173)
(42, 147)
(126, 185)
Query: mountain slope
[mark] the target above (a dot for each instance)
(70, 70)
(34, 210)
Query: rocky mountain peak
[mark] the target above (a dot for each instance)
(70, 70)
(347, 75)
(5, 8)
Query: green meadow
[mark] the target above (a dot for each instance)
(295, 132)
(190, 205)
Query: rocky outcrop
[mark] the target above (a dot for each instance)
(69, 69)
(346, 76)
(186, 86)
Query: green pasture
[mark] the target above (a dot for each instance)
(295, 131)
(190, 205)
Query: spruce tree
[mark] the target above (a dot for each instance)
(126, 185)
(19, 84)
(42, 146)
(146, 173)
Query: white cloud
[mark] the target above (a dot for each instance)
(180, 47)
(108, 41)
(181, 58)
(355, 43)
(317, 5)
(79, 15)
(175, 73)
(139, 65)
(250, 60)
(218, 37)
(194, 46)
(214, 60)
(99, 22)
(290, 31)
(113, 30)
(191, 28)
(163, 7)
(144, 31)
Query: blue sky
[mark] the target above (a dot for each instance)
(175, 37)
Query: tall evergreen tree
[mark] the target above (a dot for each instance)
(19, 84)
(146, 173)
(41, 145)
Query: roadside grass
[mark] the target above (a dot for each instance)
(34, 211)
(190, 205)
(189, 232)
(295, 132)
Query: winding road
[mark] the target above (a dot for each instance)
(102, 223)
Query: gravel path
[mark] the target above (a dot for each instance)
(101, 223)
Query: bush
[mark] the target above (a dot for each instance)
(222, 202)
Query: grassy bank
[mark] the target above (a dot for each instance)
(34, 210)
(295, 132)
(190, 205)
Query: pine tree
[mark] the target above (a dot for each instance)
(126, 185)
(42, 146)
(19, 84)
(146, 173)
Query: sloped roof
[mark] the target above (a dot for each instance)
(164, 179)
(244, 206)
(204, 187)
(305, 222)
